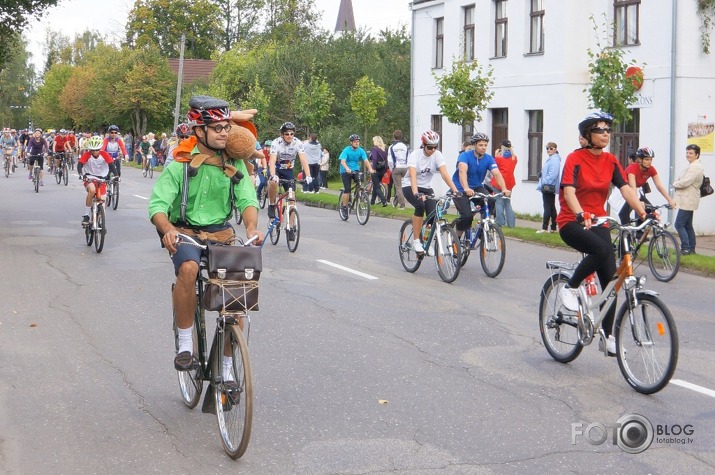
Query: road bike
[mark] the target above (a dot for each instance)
(358, 200)
(230, 397)
(62, 170)
(645, 332)
(438, 238)
(287, 217)
(148, 167)
(485, 235)
(113, 193)
(95, 230)
(663, 250)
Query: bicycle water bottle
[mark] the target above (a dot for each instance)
(591, 288)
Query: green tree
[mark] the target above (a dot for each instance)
(464, 92)
(45, 109)
(14, 17)
(313, 101)
(241, 20)
(609, 89)
(16, 86)
(365, 100)
(162, 22)
(706, 13)
(258, 99)
(291, 20)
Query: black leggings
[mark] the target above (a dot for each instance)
(376, 190)
(596, 244)
(549, 200)
(420, 206)
(466, 217)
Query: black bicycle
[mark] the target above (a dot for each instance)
(113, 193)
(358, 201)
(62, 170)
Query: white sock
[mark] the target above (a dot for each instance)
(186, 340)
(87, 210)
(228, 368)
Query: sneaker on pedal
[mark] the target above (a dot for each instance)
(85, 221)
(291, 235)
(610, 345)
(417, 246)
(271, 211)
(184, 361)
(569, 298)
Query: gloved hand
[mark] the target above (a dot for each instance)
(308, 180)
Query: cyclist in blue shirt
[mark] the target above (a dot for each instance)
(350, 159)
(472, 168)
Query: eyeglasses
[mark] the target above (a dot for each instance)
(430, 147)
(183, 136)
(289, 133)
(113, 132)
(220, 128)
(550, 148)
(601, 130)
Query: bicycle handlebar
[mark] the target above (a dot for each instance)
(600, 220)
(182, 238)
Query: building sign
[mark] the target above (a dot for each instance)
(702, 134)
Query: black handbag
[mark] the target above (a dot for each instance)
(233, 278)
(705, 188)
(548, 189)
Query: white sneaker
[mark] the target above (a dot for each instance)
(569, 298)
(610, 345)
(417, 246)
(541, 231)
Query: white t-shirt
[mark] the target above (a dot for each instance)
(425, 167)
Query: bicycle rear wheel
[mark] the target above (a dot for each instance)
(664, 256)
(190, 384)
(410, 259)
(344, 212)
(492, 251)
(263, 196)
(115, 198)
(557, 325)
(449, 257)
(234, 405)
(294, 229)
(646, 344)
(275, 233)
(100, 230)
(362, 209)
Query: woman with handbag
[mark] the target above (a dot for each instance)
(549, 187)
(687, 198)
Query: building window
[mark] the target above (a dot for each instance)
(626, 22)
(469, 33)
(439, 43)
(500, 126)
(467, 132)
(500, 28)
(536, 142)
(436, 125)
(536, 41)
(625, 140)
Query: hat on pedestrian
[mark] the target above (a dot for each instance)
(506, 143)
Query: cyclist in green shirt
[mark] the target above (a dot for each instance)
(208, 206)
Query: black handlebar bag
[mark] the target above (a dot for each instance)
(233, 273)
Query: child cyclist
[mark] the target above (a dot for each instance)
(94, 163)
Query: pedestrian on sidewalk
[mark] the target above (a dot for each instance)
(324, 168)
(313, 150)
(549, 187)
(397, 160)
(687, 198)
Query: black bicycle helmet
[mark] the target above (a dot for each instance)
(479, 137)
(287, 126)
(353, 137)
(585, 126)
(645, 152)
(113, 128)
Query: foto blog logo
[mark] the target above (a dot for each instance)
(632, 433)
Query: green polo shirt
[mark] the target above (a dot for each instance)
(208, 201)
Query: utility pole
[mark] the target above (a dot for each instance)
(178, 86)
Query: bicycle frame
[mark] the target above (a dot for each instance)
(483, 225)
(435, 221)
(287, 198)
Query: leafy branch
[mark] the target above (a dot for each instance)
(706, 12)
(463, 96)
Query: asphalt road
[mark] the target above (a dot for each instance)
(379, 371)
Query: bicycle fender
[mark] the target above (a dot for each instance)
(652, 293)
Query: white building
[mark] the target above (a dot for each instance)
(538, 51)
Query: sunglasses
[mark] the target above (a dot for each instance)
(430, 147)
(113, 132)
(183, 136)
(220, 128)
(289, 133)
(601, 130)
(550, 148)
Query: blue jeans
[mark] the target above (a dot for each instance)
(504, 212)
(686, 233)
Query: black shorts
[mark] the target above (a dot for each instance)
(40, 159)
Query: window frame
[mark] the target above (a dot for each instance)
(436, 125)
(535, 140)
(501, 24)
(621, 35)
(469, 30)
(538, 17)
(439, 43)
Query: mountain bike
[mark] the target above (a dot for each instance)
(262, 195)
(438, 238)
(229, 397)
(95, 230)
(286, 217)
(358, 201)
(148, 167)
(36, 169)
(645, 332)
(113, 193)
(485, 235)
(62, 170)
(7, 160)
(663, 250)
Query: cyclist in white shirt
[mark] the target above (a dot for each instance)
(422, 164)
(284, 150)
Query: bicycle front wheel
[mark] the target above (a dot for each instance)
(448, 253)
(100, 230)
(234, 398)
(410, 259)
(65, 174)
(492, 251)
(58, 175)
(558, 326)
(115, 198)
(190, 383)
(263, 196)
(343, 211)
(362, 208)
(664, 256)
(275, 233)
(151, 171)
(110, 195)
(293, 233)
(646, 343)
